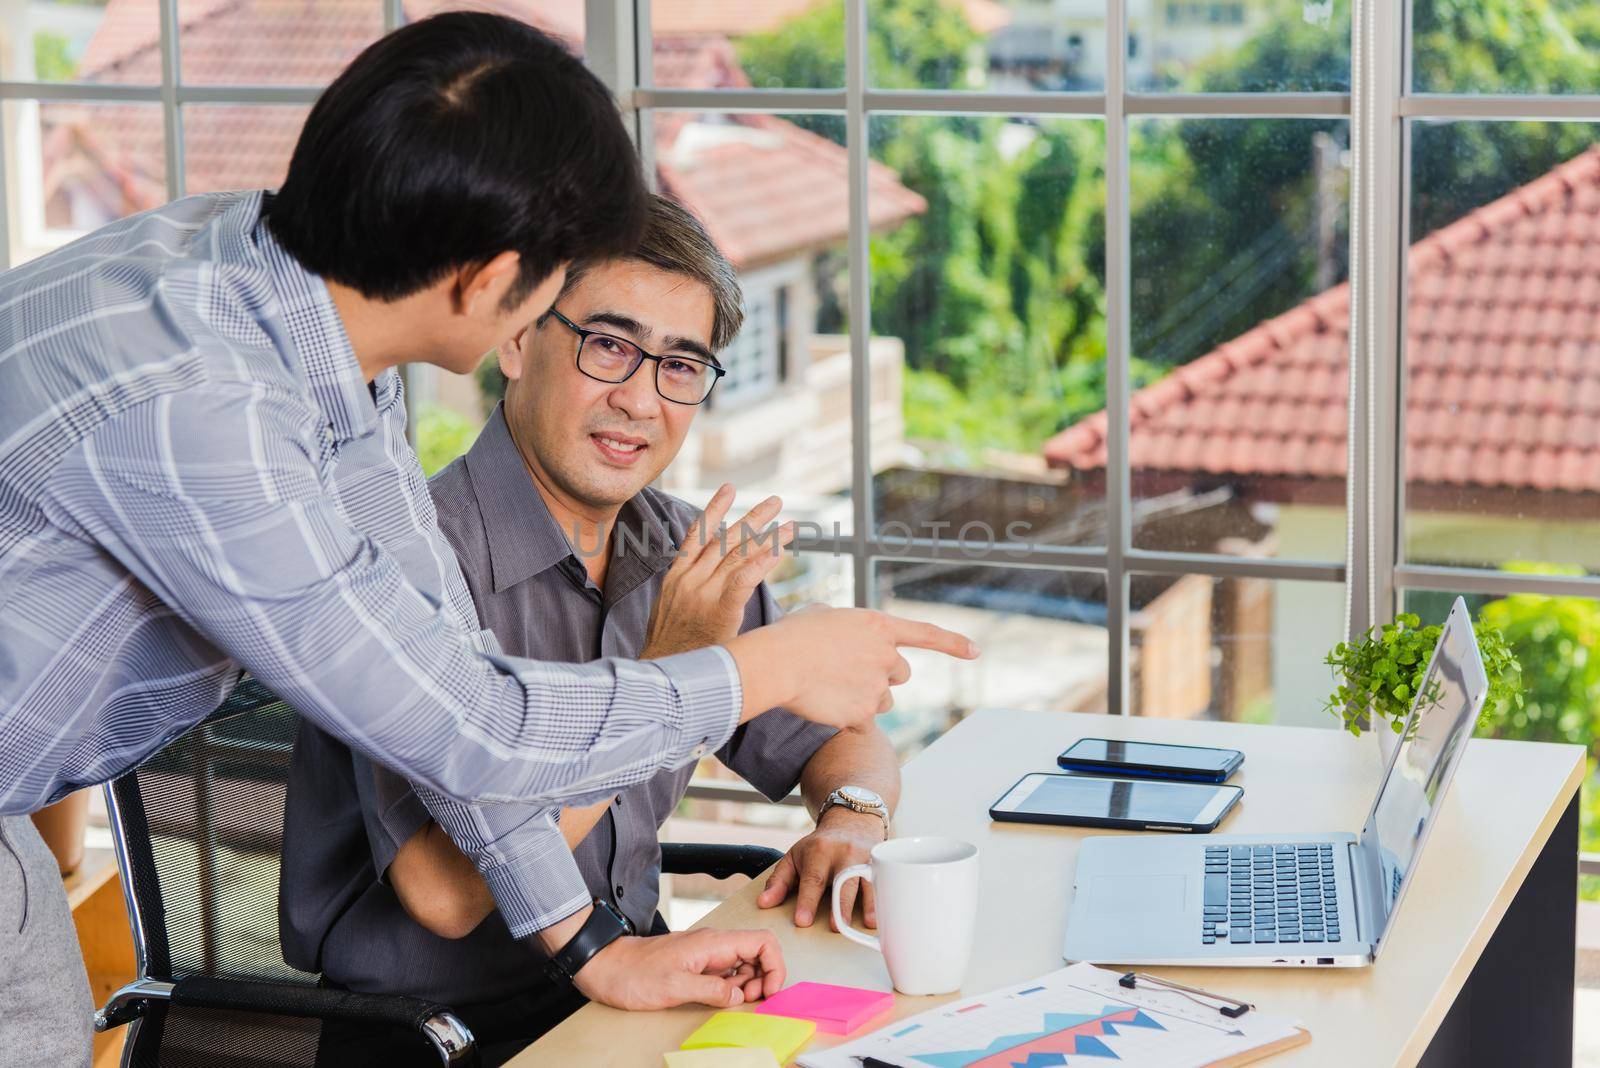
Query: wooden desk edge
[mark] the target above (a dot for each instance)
(1444, 997)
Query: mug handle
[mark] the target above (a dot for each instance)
(855, 871)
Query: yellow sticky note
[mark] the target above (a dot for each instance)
(779, 1034)
(721, 1057)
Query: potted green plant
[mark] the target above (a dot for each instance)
(1377, 677)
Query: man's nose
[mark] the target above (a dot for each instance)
(637, 397)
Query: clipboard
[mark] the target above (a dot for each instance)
(1077, 1012)
(1231, 1008)
(1301, 1037)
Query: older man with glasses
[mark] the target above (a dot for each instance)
(571, 555)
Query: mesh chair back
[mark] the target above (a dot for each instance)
(200, 825)
(183, 1036)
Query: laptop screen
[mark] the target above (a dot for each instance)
(1441, 721)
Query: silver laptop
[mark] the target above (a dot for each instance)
(1291, 900)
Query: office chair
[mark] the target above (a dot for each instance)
(717, 861)
(198, 830)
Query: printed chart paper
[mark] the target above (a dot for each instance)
(1078, 1016)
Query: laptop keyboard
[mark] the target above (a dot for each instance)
(1270, 893)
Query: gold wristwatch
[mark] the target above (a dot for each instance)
(857, 799)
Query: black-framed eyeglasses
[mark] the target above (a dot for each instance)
(607, 358)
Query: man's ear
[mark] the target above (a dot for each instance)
(513, 354)
(481, 287)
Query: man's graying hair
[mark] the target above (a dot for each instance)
(674, 241)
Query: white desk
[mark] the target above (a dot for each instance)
(1503, 856)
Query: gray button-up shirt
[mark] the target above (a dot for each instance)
(347, 818)
(195, 479)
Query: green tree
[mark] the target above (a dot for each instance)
(911, 44)
(989, 288)
(442, 435)
(1459, 46)
(1557, 640)
(52, 57)
(996, 287)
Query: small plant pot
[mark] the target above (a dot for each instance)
(62, 825)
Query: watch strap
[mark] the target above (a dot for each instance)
(838, 798)
(604, 926)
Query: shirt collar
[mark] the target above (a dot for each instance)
(326, 359)
(525, 539)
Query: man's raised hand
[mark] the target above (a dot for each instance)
(704, 593)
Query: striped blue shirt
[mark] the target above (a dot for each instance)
(196, 479)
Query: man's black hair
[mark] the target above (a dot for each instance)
(448, 142)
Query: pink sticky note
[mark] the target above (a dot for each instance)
(837, 1010)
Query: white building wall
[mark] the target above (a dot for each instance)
(1307, 616)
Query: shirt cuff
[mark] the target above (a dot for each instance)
(538, 889)
(707, 685)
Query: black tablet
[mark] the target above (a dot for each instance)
(1127, 804)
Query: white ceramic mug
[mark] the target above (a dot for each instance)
(927, 891)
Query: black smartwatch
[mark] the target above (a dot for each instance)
(604, 926)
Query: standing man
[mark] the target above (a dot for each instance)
(195, 401)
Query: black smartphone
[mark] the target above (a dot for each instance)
(1153, 760)
(1102, 801)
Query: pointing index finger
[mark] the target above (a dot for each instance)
(927, 636)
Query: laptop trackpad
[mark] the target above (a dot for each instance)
(1137, 895)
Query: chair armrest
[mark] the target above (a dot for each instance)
(717, 861)
(434, 1022)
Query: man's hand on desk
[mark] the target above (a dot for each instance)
(843, 838)
(705, 967)
(716, 968)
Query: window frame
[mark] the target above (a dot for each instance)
(1382, 109)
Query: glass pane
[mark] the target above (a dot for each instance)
(1042, 632)
(559, 18)
(272, 43)
(1506, 46)
(707, 44)
(238, 146)
(988, 273)
(1239, 339)
(774, 196)
(1242, 649)
(1501, 458)
(984, 44)
(1239, 46)
(71, 168)
(1557, 642)
(89, 41)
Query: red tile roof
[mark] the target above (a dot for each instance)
(1502, 357)
(764, 187)
(302, 42)
(736, 18)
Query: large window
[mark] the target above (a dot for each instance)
(1222, 330)
(1155, 342)
(1106, 255)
